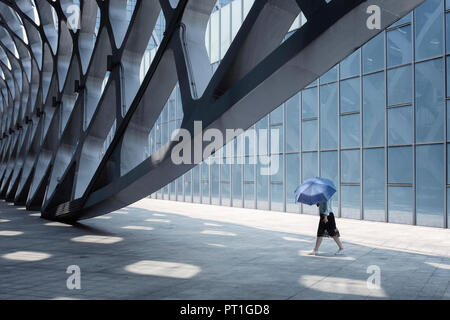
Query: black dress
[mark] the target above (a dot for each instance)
(328, 229)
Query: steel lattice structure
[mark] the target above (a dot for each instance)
(56, 114)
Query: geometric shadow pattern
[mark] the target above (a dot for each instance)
(75, 117)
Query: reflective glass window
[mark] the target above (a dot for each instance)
(329, 116)
(350, 95)
(309, 135)
(400, 205)
(293, 176)
(350, 169)
(350, 202)
(400, 166)
(350, 66)
(309, 103)
(430, 101)
(373, 109)
(430, 185)
(374, 184)
(428, 29)
(350, 131)
(330, 76)
(329, 166)
(400, 121)
(399, 85)
(399, 46)
(293, 124)
(225, 30)
(373, 54)
(237, 181)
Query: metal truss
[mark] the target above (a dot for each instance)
(56, 112)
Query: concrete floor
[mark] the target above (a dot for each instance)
(167, 250)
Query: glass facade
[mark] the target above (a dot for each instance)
(376, 124)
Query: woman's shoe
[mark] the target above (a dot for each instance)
(340, 252)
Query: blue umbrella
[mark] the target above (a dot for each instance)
(315, 190)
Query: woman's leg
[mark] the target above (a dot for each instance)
(318, 243)
(338, 242)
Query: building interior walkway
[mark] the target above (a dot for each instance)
(158, 249)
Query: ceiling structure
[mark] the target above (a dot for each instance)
(75, 117)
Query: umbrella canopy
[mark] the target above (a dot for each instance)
(315, 190)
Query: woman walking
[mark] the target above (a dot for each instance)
(319, 191)
(327, 228)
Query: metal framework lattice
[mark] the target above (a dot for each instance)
(75, 116)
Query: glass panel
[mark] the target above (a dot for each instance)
(350, 169)
(293, 124)
(400, 168)
(400, 205)
(400, 122)
(225, 31)
(447, 31)
(309, 135)
(205, 182)
(226, 169)
(276, 116)
(373, 109)
(399, 85)
(225, 191)
(180, 188)
(448, 163)
(448, 120)
(262, 186)
(428, 29)
(350, 131)
(292, 177)
(249, 170)
(309, 103)
(249, 139)
(350, 66)
(276, 193)
(309, 170)
(404, 20)
(374, 184)
(249, 194)
(373, 54)
(399, 46)
(237, 181)
(350, 202)
(196, 183)
(276, 145)
(329, 166)
(448, 208)
(350, 95)
(277, 163)
(448, 75)
(263, 136)
(187, 186)
(312, 84)
(430, 185)
(309, 165)
(429, 101)
(330, 76)
(329, 116)
(236, 18)
(215, 29)
(215, 182)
